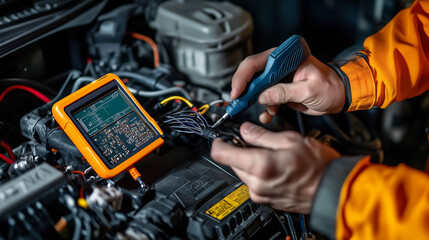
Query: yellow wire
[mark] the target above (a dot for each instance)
(203, 109)
(165, 101)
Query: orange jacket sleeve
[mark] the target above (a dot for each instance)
(381, 202)
(394, 64)
(357, 199)
(360, 200)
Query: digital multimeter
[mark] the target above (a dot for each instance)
(108, 125)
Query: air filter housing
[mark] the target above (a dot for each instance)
(207, 39)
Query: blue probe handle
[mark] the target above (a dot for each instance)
(283, 60)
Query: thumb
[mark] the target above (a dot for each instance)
(284, 92)
(261, 137)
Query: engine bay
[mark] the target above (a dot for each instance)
(177, 59)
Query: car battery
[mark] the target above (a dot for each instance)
(204, 201)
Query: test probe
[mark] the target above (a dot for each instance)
(282, 61)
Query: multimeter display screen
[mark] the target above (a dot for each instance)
(114, 126)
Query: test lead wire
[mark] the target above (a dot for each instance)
(137, 177)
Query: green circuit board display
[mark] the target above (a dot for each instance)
(114, 127)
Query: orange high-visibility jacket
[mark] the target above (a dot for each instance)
(357, 199)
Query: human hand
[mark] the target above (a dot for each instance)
(316, 89)
(282, 172)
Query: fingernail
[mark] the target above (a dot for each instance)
(233, 92)
(263, 99)
(271, 111)
(248, 128)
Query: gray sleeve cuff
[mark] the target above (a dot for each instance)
(336, 66)
(324, 212)
(348, 101)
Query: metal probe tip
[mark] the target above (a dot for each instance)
(221, 120)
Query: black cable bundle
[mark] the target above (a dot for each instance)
(186, 121)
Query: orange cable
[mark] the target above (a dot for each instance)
(61, 224)
(152, 45)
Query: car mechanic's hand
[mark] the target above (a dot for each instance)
(283, 171)
(316, 89)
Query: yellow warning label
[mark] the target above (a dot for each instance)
(229, 203)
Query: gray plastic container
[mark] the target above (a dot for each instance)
(208, 39)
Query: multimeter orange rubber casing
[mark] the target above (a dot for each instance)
(83, 98)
